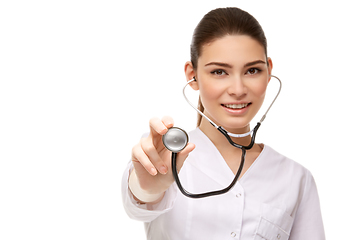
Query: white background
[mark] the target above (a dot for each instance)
(80, 80)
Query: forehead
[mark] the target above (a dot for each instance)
(236, 49)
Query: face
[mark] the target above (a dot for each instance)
(232, 77)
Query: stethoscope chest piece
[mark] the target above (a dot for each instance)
(175, 139)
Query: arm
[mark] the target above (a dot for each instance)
(308, 222)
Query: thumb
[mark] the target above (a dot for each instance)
(181, 156)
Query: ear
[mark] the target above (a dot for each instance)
(190, 74)
(270, 67)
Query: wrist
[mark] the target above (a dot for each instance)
(139, 194)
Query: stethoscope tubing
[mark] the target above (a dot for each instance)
(238, 173)
(206, 194)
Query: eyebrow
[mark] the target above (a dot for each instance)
(221, 64)
(254, 63)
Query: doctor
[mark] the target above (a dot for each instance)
(275, 197)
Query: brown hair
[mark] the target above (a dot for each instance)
(218, 23)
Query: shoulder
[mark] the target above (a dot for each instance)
(282, 167)
(274, 157)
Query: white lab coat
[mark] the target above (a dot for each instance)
(275, 199)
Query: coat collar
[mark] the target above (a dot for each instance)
(207, 159)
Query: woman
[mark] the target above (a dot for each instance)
(274, 198)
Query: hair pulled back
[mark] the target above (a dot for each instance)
(219, 23)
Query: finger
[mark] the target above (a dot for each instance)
(157, 127)
(153, 155)
(138, 156)
(168, 121)
(181, 157)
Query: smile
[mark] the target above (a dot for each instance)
(236, 106)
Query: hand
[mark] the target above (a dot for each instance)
(152, 161)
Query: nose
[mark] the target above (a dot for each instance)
(237, 88)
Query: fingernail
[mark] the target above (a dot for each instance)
(163, 169)
(153, 171)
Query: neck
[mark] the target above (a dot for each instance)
(219, 140)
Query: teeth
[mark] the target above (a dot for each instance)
(236, 106)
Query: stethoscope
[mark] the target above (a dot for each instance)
(176, 140)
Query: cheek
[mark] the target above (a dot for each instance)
(209, 93)
(259, 90)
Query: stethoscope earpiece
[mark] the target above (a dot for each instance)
(175, 139)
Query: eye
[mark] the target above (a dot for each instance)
(219, 72)
(253, 71)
